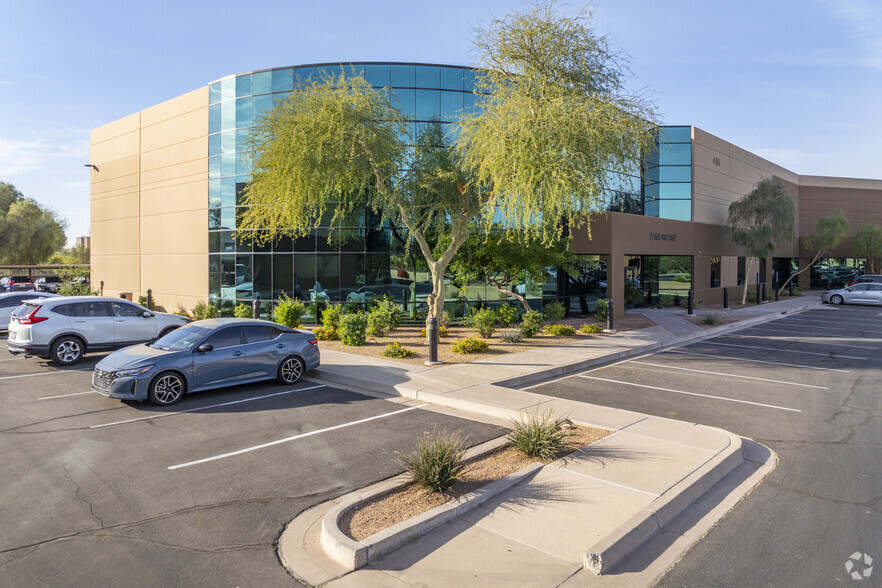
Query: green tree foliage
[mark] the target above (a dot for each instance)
(555, 120)
(868, 243)
(503, 258)
(29, 233)
(829, 232)
(760, 220)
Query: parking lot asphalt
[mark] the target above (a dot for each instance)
(807, 386)
(97, 491)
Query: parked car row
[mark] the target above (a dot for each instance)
(159, 356)
(39, 283)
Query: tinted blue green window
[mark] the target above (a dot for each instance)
(283, 80)
(675, 209)
(451, 105)
(214, 93)
(214, 193)
(674, 173)
(675, 154)
(243, 86)
(305, 75)
(403, 76)
(675, 135)
(427, 76)
(228, 115)
(262, 104)
(228, 192)
(451, 78)
(377, 75)
(262, 82)
(214, 118)
(228, 88)
(244, 110)
(404, 100)
(674, 190)
(428, 104)
(214, 145)
(214, 167)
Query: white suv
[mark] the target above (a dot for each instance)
(63, 329)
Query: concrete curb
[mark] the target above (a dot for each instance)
(604, 554)
(352, 554)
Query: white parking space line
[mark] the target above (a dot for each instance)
(852, 327)
(66, 395)
(833, 354)
(672, 367)
(805, 340)
(13, 359)
(168, 414)
(807, 332)
(796, 365)
(691, 393)
(294, 438)
(44, 374)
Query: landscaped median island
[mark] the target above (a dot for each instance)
(381, 512)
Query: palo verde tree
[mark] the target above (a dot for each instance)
(868, 243)
(29, 233)
(829, 232)
(554, 126)
(504, 257)
(760, 220)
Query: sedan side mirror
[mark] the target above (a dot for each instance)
(147, 314)
(205, 347)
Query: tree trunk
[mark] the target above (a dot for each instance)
(746, 281)
(811, 263)
(515, 295)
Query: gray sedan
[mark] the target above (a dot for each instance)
(206, 354)
(868, 293)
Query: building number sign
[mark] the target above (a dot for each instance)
(717, 161)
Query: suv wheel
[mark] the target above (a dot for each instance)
(66, 351)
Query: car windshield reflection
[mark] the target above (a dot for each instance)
(181, 339)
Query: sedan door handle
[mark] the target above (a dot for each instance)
(280, 346)
(237, 353)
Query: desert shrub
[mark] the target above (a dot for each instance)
(751, 296)
(438, 461)
(326, 333)
(531, 322)
(711, 319)
(142, 300)
(375, 325)
(601, 309)
(76, 289)
(590, 328)
(289, 312)
(394, 349)
(539, 436)
(507, 315)
(331, 316)
(469, 345)
(442, 332)
(388, 315)
(243, 311)
(483, 322)
(352, 329)
(203, 310)
(560, 330)
(444, 321)
(633, 295)
(512, 336)
(554, 311)
(667, 300)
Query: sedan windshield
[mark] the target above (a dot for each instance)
(183, 338)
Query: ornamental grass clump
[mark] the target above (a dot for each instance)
(711, 319)
(438, 461)
(512, 337)
(540, 436)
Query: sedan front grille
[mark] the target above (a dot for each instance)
(101, 379)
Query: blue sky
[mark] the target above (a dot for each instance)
(798, 82)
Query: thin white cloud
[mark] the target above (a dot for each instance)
(864, 21)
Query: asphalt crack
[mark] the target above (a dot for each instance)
(82, 499)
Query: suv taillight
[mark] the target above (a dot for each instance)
(32, 318)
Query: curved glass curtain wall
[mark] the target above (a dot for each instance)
(366, 260)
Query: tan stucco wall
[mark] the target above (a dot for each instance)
(149, 203)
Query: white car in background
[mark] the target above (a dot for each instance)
(9, 301)
(65, 328)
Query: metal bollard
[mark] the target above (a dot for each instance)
(763, 299)
(610, 315)
(432, 331)
(255, 308)
(149, 299)
(101, 288)
(776, 292)
(725, 298)
(758, 299)
(691, 302)
(790, 289)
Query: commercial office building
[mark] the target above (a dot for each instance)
(164, 202)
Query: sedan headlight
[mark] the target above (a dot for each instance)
(132, 372)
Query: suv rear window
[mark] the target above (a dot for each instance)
(24, 310)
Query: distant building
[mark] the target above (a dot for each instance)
(84, 242)
(164, 208)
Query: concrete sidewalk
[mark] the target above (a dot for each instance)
(655, 481)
